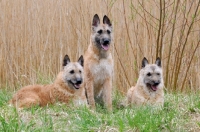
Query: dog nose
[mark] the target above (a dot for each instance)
(79, 81)
(155, 83)
(106, 41)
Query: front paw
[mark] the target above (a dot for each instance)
(93, 107)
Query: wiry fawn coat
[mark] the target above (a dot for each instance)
(143, 95)
(42, 95)
(98, 69)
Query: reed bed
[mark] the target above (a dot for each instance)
(35, 35)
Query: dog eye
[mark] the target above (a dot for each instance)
(100, 31)
(158, 74)
(108, 31)
(149, 74)
(72, 71)
(79, 71)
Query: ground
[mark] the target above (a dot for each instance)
(181, 112)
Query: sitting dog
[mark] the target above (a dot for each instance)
(98, 65)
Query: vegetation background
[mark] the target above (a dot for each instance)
(35, 35)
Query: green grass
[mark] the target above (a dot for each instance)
(180, 113)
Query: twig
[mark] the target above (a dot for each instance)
(170, 46)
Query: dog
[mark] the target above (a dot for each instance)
(66, 88)
(98, 66)
(149, 87)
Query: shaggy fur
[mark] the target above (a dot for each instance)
(98, 66)
(66, 88)
(149, 87)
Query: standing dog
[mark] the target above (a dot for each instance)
(67, 87)
(98, 66)
(149, 87)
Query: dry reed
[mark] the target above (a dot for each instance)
(35, 35)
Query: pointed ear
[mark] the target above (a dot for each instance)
(106, 20)
(66, 60)
(96, 20)
(144, 62)
(158, 62)
(81, 60)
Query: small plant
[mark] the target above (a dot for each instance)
(178, 114)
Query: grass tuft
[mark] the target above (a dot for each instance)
(180, 113)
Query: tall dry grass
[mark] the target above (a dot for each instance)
(35, 35)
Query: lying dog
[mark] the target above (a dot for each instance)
(67, 87)
(149, 87)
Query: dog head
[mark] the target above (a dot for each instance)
(101, 33)
(151, 74)
(73, 72)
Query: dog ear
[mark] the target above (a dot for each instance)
(158, 62)
(96, 20)
(144, 62)
(81, 60)
(106, 20)
(66, 60)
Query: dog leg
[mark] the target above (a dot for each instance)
(107, 94)
(28, 102)
(90, 93)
